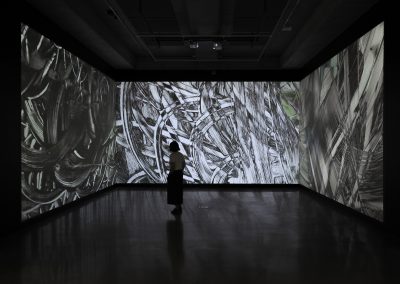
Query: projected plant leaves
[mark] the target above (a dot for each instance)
(341, 139)
(230, 132)
(68, 121)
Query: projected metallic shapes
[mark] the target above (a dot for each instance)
(230, 132)
(342, 151)
(67, 122)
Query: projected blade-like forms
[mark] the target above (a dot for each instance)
(342, 151)
(230, 132)
(68, 121)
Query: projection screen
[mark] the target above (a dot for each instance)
(230, 132)
(341, 145)
(68, 137)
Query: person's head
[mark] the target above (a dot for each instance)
(173, 146)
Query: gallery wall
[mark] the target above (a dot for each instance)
(230, 132)
(341, 149)
(68, 137)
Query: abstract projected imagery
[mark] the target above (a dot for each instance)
(230, 132)
(342, 148)
(68, 138)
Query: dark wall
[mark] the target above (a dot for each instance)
(391, 119)
(9, 117)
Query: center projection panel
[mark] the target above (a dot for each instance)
(230, 132)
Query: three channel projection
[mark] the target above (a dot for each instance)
(82, 132)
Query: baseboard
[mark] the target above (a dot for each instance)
(208, 187)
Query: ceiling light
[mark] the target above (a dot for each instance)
(193, 44)
(217, 46)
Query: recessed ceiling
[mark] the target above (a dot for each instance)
(161, 34)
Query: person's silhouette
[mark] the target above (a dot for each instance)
(175, 178)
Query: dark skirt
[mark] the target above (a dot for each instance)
(174, 188)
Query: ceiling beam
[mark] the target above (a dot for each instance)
(319, 31)
(227, 15)
(181, 14)
(204, 16)
(70, 19)
(286, 13)
(127, 26)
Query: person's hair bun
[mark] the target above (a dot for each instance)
(173, 146)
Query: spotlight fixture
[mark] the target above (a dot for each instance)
(194, 44)
(217, 46)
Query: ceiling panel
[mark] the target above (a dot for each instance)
(132, 34)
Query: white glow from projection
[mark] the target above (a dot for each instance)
(230, 132)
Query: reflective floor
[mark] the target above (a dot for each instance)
(256, 236)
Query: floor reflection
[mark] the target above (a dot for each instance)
(175, 247)
(129, 236)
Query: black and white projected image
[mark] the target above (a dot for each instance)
(230, 132)
(341, 138)
(68, 138)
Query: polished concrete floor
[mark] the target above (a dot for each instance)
(127, 236)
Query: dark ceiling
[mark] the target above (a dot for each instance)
(157, 34)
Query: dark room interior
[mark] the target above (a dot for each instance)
(271, 126)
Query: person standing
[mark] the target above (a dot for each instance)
(175, 178)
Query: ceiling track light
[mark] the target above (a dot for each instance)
(194, 44)
(217, 46)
